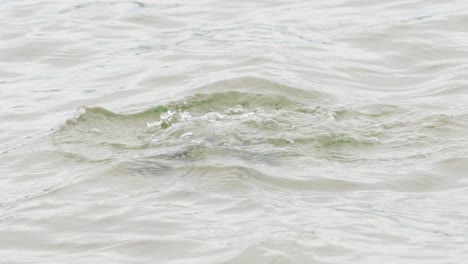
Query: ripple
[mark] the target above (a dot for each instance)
(249, 131)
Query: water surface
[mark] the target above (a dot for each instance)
(246, 132)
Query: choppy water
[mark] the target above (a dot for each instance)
(243, 132)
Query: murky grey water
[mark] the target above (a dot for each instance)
(243, 132)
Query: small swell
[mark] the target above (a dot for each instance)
(255, 129)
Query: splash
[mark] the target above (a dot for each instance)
(252, 128)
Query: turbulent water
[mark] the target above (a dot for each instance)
(234, 132)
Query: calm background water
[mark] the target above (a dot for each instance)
(233, 132)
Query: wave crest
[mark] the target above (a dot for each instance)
(254, 128)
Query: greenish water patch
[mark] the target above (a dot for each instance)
(238, 127)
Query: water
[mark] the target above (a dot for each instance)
(245, 132)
